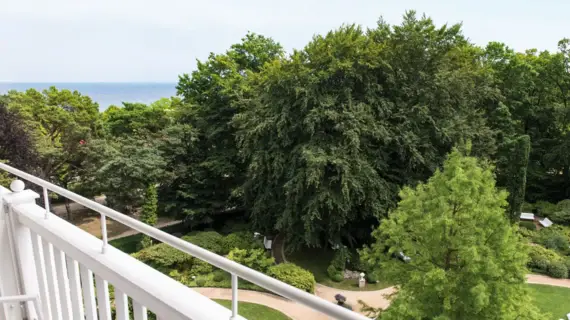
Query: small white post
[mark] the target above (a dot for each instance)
(104, 233)
(234, 297)
(46, 202)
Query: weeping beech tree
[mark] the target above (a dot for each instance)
(331, 133)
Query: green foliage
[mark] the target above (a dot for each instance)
(528, 225)
(200, 282)
(461, 245)
(211, 94)
(558, 269)
(209, 240)
(332, 271)
(122, 169)
(514, 169)
(149, 215)
(164, 257)
(337, 277)
(341, 256)
(219, 275)
(139, 119)
(556, 242)
(293, 275)
(334, 131)
(371, 277)
(17, 146)
(239, 240)
(256, 259)
(200, 267)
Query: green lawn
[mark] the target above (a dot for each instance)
(555, 300)
(317, 261)
(254, 311)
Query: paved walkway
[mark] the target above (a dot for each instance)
(297, 311)
(540, 279)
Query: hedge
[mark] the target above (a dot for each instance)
(239, 240)
(209, 240)
(164, 257)
(557, 269)
(293, 275)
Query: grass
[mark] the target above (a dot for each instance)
(317, 261)
(254, 311)
(129, 244)
(555, 300)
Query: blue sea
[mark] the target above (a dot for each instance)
(104, 93)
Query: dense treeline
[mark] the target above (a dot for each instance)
(317, 143)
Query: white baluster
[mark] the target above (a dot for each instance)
(103, 303)
(75, 286)
(41, 274)
(121, 304)
(139, 311)
(51, 278)
(63, 283)
(88, 293)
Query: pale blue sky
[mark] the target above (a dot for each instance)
(155, 40)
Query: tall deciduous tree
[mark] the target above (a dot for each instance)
(332, 133)
(17, 146)
(214, 172)
(467, 261)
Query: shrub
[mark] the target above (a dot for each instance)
(337, 277)
(209, 240)
(164, 257)
(200, 267)
(556, 241)
(200, 282)
(545, 208)
(331, 271)
(356, 264)
(293, 275)
(340, 257)
(540, 265)
(256, 259)
(541, 253)
(557, 269)
(371, 277)
(527, 225)
(219, 275)
(240, 240)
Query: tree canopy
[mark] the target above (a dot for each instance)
(466, 260)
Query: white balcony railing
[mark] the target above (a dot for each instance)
(60, 272)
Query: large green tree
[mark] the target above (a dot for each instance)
(466, 260)
(333, 132)
(60, 121)
(211, 172)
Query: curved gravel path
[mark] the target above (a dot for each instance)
(540, 279)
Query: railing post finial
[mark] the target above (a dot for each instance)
(17, 186)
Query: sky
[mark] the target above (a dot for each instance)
(155, 41)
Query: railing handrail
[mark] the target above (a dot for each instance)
(230, 266)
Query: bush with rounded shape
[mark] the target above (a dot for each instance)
(163, 256)
(332, 271)
(200, 267)
(239, 240)
(219, 275)
(209, 240)
(200, 282)
(337, 277)
(556, 241)
(341, 256)
(293, 275)
(527, 225)
(557, 269)
(540, 264)
(256, 259)
(371, 277)
(537, 253)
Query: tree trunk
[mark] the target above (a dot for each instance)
(68, 209)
